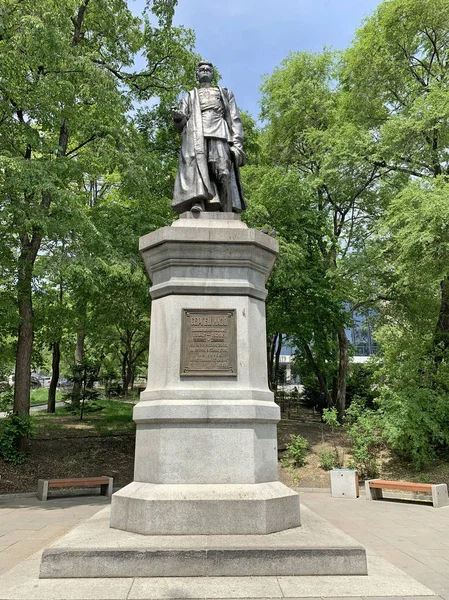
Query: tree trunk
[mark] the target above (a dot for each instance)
(441, 339)
(130, 370)
(273, 351)
(269, 361)
(22, 378)
(56, 358)
(277, 358)
(29, 249)
(79, 359)
(320, 377)
(343, 362)
(127, 370)
(334, 394)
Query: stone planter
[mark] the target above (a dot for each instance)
(344, 483)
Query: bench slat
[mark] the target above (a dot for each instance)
(401, 485)
(81, 481)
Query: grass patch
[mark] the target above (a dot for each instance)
(40, 396)
(101, 417)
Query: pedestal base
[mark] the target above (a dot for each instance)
(93, 549)
(202, 509)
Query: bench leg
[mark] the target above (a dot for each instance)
(439, 495)
(372, 493)
(106, 489)
(42, 489)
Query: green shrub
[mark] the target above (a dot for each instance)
(360, 384)
(330, 459)
(364, 428)
(330, 417)
(312, 395)
(416, 423)
(15, 428)
(297, 450)
(326, 460)
(6, 398)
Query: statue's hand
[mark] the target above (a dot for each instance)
(178, 115)
(239, 156)
(179, 119)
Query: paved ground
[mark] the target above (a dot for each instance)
(35, 408)
(412, 537)
(27, 525)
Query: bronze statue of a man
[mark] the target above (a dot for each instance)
(211, 148)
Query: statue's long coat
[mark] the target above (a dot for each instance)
(193, 182)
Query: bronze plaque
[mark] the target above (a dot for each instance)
(209, 343)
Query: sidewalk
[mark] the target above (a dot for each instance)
(34, 408)
(28, 525)
(412, 537)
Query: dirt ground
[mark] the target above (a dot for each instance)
(321, 439)
(70, 457)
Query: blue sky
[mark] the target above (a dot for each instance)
(246, 39)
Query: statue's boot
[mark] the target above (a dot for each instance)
(198, 206)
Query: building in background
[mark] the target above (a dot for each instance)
(360, 336)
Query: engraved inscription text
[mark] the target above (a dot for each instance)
(208, 345)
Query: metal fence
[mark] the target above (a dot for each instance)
(289, 404)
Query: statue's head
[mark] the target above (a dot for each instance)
(204, 71)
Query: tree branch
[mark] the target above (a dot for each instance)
(129, 78)
(91, 139)
(78, 22)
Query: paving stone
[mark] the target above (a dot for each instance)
(24, 549)
(406, 562)
(436, 582)
(438, 564)
(384, 580)
(17, 535)
(205, 587)
(349, 598)
(416, 598)
(6, 544)
(22, 583)
(48, 532)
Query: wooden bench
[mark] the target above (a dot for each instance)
(374, 487)
(104, 483)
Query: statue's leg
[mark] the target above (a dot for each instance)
(220, 167)
(212, 204)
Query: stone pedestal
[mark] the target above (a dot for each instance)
(206, 449)
(205, 500)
